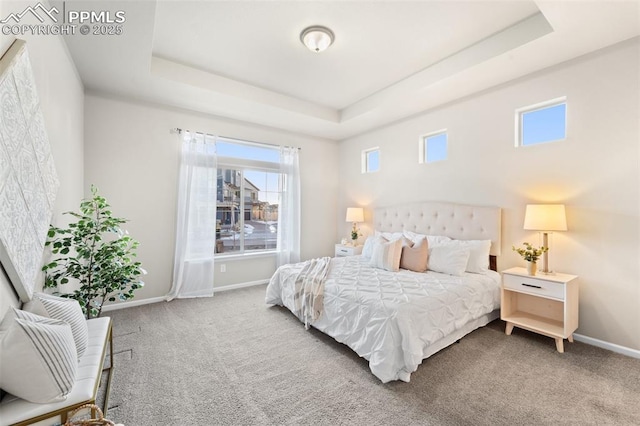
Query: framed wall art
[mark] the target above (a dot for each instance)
(28, 179)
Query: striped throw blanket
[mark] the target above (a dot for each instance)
(309, 289)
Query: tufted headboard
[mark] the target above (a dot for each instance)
(458, 221)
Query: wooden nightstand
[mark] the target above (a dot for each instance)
(544, 304)
(345, 250)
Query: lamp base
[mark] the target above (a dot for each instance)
(545, 256)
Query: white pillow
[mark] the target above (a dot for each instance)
(448, 259)
(478, 262)
(38, 359)
(432, 240)
(389, 236)
(67, 310)
(386, 255)
(367, 249)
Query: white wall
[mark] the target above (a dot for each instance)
(61, 100)
(133, 160)
(595, 172)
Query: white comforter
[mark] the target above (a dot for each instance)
(390, 318)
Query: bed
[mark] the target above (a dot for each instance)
(397, 319)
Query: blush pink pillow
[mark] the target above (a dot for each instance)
(415, 258)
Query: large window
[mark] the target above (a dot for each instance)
(544, 122)
(433, 147)
(249, 188)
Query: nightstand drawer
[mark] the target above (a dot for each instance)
(536, 286)
(342, 250)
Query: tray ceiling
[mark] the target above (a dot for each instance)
(390, 59)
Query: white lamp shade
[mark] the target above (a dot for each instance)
(545, 217)
(355, 214)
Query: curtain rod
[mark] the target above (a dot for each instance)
(179, 131)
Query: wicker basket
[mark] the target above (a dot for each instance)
(100, 421)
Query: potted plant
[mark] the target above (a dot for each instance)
(95, 252)
(531, 255)
(355, 233)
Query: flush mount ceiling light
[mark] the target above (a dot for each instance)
(317, 38)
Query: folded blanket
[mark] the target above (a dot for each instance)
(309, 289)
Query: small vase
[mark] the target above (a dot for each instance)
(532, 268)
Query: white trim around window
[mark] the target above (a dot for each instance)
(371, 160)
(520, 112)
(422, 146)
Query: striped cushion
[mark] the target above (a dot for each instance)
(38, 360)
(67, 310)
(386, 255)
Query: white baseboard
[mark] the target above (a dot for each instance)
(140, 302)
(241, 285)
(606, 345)
(132, 303)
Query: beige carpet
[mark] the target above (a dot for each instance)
(231, 360)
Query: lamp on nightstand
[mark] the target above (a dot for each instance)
(355, 215)
(545, 218)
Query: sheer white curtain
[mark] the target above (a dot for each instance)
(289, 210)
(196, 220)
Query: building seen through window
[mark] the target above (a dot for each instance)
(248, 193)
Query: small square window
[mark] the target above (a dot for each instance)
(371, 160)
(433, 147)
(545, 122)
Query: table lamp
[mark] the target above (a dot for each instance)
(355, 215)
(545, 218)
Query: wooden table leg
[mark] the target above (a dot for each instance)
(509, 328)
(570, 338)
(560, 345)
